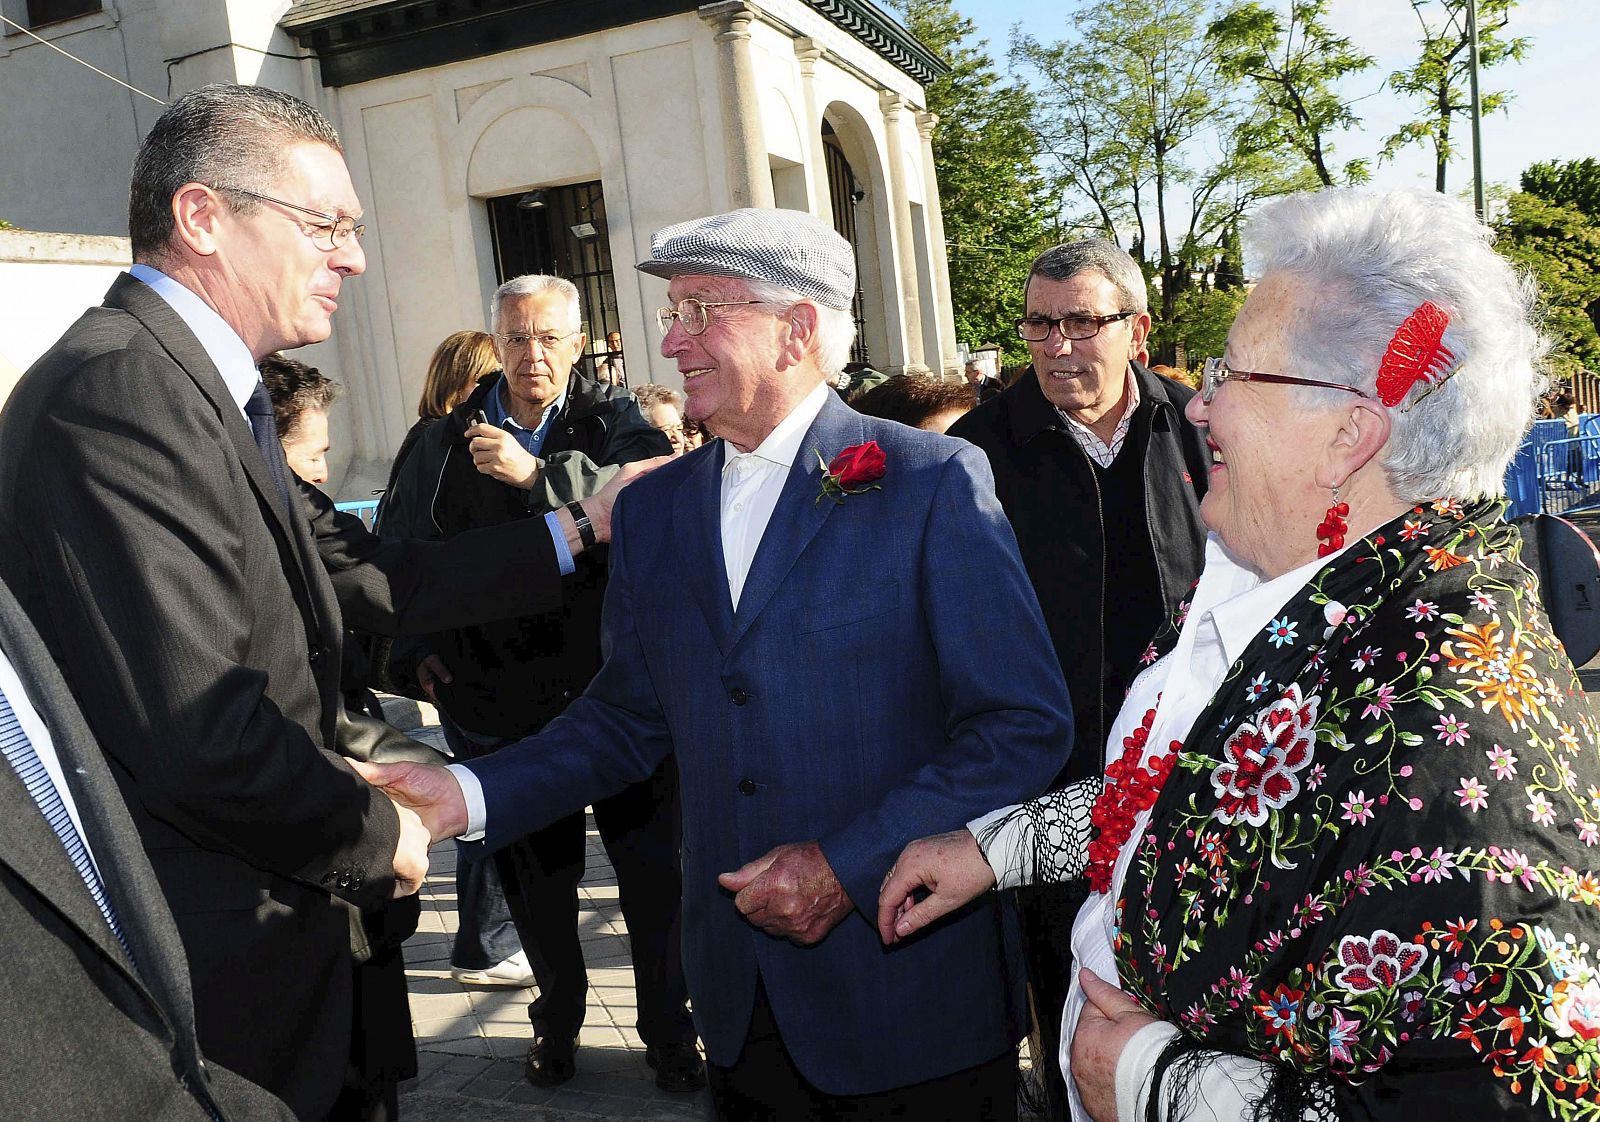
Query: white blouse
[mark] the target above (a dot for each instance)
(1231, 604)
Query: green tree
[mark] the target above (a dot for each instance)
(1439, 79)
(1140, 122)
(1294, 60)
(1552, 229)
(995, 203)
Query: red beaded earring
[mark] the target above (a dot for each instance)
(1331, 530)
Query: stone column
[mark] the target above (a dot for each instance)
(749, 177)
(893, 106)
(939, 253)
(807, 52)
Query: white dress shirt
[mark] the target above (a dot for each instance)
(751, 485)
(227, 352)
(39, 735)
(752, 482)
(1230, 606)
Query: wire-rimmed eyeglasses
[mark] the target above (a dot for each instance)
(1216, 371)
(332, 232)
(692, 313)
(518, 341)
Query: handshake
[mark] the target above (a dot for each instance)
(431, 807)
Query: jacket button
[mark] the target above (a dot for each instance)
(739, 696)
(747, 786)
(315, 655)
(567, 695)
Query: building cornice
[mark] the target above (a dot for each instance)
(360, 40)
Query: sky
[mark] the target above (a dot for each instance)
(1556, 86)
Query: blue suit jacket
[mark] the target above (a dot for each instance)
(887, 676)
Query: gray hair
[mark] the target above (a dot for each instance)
(1371, 259)
(536, 284)
(1067, 260)
(651, 395)
(220, 135)
(836, 327)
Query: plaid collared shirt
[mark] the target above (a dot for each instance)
(1099, 451)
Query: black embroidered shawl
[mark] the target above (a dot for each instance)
(1374, 864)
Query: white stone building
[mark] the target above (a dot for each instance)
(604, 119)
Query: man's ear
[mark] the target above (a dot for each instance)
(1357, 441)
(196, 214)
(802, 321)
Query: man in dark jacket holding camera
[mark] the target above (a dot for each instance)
(530, 441)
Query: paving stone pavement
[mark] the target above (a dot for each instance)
(471, 1040)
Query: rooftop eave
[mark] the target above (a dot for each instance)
(360, 40)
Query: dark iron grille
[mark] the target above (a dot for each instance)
(542, 241)
(841, 191)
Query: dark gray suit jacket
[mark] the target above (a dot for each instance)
(199, 623)
(87, 1036)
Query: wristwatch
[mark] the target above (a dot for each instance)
(585, 527)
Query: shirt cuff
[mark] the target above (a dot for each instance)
(559, 537)
(1135, 1065)
(472, 795)
(1004, 849)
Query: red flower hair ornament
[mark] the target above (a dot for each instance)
(1415, 354)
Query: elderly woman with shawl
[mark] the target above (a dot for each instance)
(1344, 851)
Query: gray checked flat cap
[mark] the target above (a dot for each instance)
(788, 248)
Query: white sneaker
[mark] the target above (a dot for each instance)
(514, 971)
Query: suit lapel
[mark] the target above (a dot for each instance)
(798, 515)
(697, 514)
(140, 301)
(27, 843)
(289, 526)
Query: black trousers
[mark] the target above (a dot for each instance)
(642, 832)
(764, 1085)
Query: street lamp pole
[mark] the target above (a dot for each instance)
(1477, 109)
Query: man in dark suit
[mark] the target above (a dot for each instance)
(195, 596)
(826, 680)
(99, 1022)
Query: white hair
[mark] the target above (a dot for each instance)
(536, 284)
(836, 327)
(1370, 259)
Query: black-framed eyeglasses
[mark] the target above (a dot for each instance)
(1036, 329)
(693, 315)
(515, 342)
(332, 232)
(1216, 371)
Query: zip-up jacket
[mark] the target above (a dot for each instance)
(513, 676)
(1051, 493)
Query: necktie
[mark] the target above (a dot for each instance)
(259, 410)
(20, 754)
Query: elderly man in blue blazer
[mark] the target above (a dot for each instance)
(792, 611)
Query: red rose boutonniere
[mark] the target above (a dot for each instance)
(854, 471)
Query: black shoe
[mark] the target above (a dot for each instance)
(678, 1067)
(551, 1061)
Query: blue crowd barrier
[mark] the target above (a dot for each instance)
(364, 509)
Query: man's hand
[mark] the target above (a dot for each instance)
(431, 671)
(1109, 1020)
(790, 892)
(598, 506)
(410, 853)
(496, 453)
(432, 792)
(950, 866)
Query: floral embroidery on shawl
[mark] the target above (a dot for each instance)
(1367, 849)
